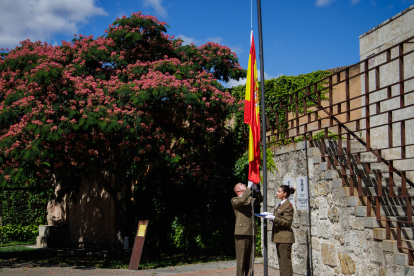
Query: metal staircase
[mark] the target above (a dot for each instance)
(366, 140)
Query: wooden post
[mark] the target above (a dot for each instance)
(138, 245)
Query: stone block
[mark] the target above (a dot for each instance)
(338, 234)
(356, 201)
(51, 236)
(314, 203)
(316, 245)
(323, 166)
(409, 271)
(328, 252)
(370, 270)
(331, 174)
(323, 208)
(41, 242)
(316, 159)
(379, 233)
(395, 270)
(356, 223)
(322, 189)
(333, 214)
(337, 183)
(347, 264)
(44, 230)
(322, 229)
(371, 222)
(401, 259)
(389, 245)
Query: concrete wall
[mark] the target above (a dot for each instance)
(396, 29)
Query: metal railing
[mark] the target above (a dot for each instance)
(371, 102)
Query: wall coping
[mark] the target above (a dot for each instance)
(289, 148)
(387, 21)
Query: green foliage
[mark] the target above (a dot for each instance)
(258, 245)
(23, 207)
(277, 90)
(241, 168)
(12, 243)
(18, 232)
(317, 136)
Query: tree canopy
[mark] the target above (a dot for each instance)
(110, 107)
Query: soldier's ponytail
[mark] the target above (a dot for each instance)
(288, 190)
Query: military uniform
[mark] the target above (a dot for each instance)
(282, 235)
(244, 229)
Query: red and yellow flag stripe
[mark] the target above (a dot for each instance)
(252, 116)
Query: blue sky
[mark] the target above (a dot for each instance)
(300, 36)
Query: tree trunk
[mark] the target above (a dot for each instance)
(120, 227)
(121, 214)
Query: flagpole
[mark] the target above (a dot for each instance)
(259, 19)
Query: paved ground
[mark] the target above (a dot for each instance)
(219, 268)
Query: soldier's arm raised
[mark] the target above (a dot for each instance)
(258, 196)
(240, 201)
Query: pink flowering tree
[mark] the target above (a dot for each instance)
(109, 108)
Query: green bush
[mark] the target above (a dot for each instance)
(18, 232)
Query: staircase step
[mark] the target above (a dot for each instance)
(391, 246)
(371, 222)
(373, 191)
(407, 233)
(346, 191)
(332, 145)
(409, 270)
(357, 201)
(337, 183)
(362, 168)
(361, 211)
(384, 201)
(371, 181)
(401, 259)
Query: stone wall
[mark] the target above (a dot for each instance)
(339, 242)
(290, 164)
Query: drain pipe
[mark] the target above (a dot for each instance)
(309, 211)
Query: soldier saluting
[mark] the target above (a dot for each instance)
(245, 228)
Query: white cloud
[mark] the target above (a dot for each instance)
(214, 39)
(232, 83)
(42, 19)
(321, 3)
(237, 49)
(156, 5)
(353, 2)
(267, 76)
(188, 40)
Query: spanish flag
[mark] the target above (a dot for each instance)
(251, 115)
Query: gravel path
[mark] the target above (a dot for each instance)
(226, 268)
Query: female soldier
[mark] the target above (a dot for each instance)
(282, 233)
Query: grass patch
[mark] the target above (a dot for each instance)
(11, 243)
(14, 250)
(47, 257)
